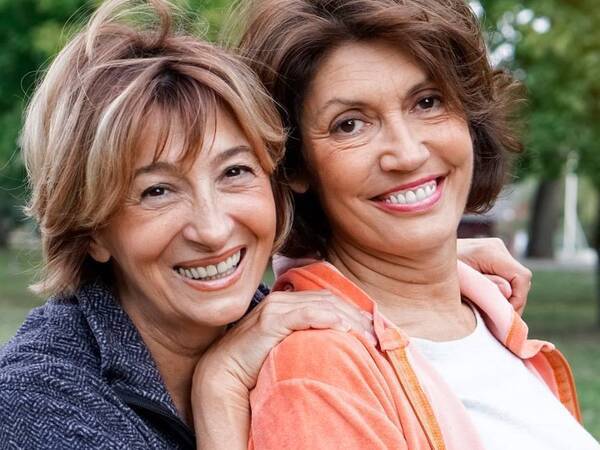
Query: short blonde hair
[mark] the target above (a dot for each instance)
(83, 123)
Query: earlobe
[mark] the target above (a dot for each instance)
(299, 185)
(98, 251)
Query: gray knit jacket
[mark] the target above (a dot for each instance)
(77, 375)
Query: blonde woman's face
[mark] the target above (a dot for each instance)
(190, 247)
(391, 163)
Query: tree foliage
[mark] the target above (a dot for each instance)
(557, 53)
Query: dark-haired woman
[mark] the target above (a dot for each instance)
(398, 125)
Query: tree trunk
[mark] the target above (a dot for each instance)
(544, 220)
(4, 231)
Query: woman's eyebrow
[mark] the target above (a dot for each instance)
(340, 101)
(349, 102)
(231, 152)
(167, 167)
(158, 166)
(426, 83)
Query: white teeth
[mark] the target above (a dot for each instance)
(413, 195)
(212, 271)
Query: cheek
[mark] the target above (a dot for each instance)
(141, 238)
(455, 138)
(255, 211)
(339, 172)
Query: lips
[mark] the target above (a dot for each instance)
(213, 268)
(413, 197)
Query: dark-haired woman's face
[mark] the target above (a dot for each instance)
(392, 164)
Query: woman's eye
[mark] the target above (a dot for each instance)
(349, 126)
(236, 171)
(429, 102)
(154, 191)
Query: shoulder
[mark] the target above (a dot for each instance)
(324, 389)
(344, 360)
(53, 388)
(51, 360)
(56, 333)
(306, 350)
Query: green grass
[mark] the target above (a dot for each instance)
(17, 271)
(561, 309)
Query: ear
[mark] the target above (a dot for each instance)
(98, 250)
(299, 184)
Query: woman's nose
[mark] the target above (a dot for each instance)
(402, 148)
(209, 227)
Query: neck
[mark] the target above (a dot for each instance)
(420, 293)
(176, 352)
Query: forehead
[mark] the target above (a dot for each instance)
(361, 67)
(165, 138)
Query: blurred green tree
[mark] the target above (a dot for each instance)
(30, 31)
(556, 48)
(554, 45)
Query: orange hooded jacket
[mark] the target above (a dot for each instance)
(323, 389)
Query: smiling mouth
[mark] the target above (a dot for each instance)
(414, 195)
(215, 271)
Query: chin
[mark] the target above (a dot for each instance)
(226, 311)
(421, 241)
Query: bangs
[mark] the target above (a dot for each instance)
(186, 107)
(183, 104)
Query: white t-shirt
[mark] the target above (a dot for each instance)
(510, 407)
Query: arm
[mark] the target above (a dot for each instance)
(323, 389)
(301, 414)
(229, 369)
(491, 257)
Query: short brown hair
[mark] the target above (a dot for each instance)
(85, 119)
(285, 41)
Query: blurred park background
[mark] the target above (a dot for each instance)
(548, 216)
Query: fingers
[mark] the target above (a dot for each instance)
(318, 310)
(521, 285)
(491, 257)
(502, 284)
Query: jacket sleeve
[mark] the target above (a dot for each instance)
(318, 389)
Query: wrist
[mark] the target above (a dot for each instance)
(221, 410)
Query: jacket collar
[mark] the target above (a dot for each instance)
(125, 362)
(500, 317)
